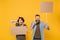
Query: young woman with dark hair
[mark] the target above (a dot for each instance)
(20, 22)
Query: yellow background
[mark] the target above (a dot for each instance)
(12, 9)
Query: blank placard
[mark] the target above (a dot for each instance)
(46, 6)
(19, 30)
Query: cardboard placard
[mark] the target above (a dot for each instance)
(18, 30)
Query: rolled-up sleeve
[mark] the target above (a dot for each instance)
(46, 26)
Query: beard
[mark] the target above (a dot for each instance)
(37, 21)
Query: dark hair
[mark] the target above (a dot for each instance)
(21, 19)
(37, 15)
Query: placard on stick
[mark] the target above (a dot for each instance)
(46, 7)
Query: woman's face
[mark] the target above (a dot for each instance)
(20, 21)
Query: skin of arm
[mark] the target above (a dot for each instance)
(13, 21)
(32, 25)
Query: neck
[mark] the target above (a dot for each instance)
(20, 24)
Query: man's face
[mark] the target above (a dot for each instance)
(37, 18)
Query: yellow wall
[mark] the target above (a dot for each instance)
(12, 9)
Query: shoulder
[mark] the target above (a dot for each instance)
(41, 22)
(17, 24)
(24, 25)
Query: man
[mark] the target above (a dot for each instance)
(38, 28)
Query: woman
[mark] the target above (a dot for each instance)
(20, 22)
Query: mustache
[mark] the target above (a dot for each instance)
(37, 20)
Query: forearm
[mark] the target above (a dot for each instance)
(32, 25)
